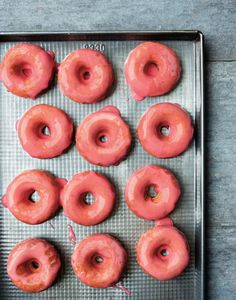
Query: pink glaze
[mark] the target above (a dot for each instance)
(51, 53)
(165, 185)
(103, 123)
(85, 76)
(163, 252)
(18, 194)
(74, 206)
(27, 70)
(167, 115)
(16, 124)
(111, 109)
(72, 236)
(164, 222)
(30, 131)
(33, 265)
(62, 182)
(122, 288)
(152, 69)
(94, 273)
(4, 201)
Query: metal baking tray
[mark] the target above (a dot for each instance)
(189, 167)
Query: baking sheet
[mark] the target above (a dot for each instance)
(188, 216)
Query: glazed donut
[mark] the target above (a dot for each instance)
(165, 116)
(103, 138)
(85, 76)
(74, 193)
(33, 265)
(163, 252)
(27, 70)
(164, 184)
(99, 260)
(18, 196)
(35, 141)
(152, 69)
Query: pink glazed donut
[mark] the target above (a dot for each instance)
(18, 196)
(164, 184)
(33, 265)
(103, 138)
(85, 76)
(165, 116)
(74, 193)
(152, 69)
(27, 70)
(35, 141)
(99, 260)
(163, 252)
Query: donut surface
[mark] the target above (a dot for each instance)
(18, 196)
(27, 70)
(166, 192)
(33, 265)
(168, 116)
(35, 141)
(99, 260)
(163, 252)
(152, 69)
(85, 76)
(103, 138)
(74, 193)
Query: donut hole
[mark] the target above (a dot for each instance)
(46, 131)
(151, 69)
(86, 75)
(102, 139)
(88, 198)
(27, 72)
(43, 130)
(98, 259)
(34, 197)
(34, 265)
(165, 130)
(29, 267)
(22, 70)
(151, 193)
(83, 74)
(164, 252)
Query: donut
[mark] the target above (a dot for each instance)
(152, 69)
(103, 138)
(18, 198)
(165, 195)
(33, 138)
(165, 116)
(85, 76)
(27, 70)
(99, 260)
(33, 265)
(163, 252)
(74, 193)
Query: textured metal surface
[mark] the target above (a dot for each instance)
(122, 224)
